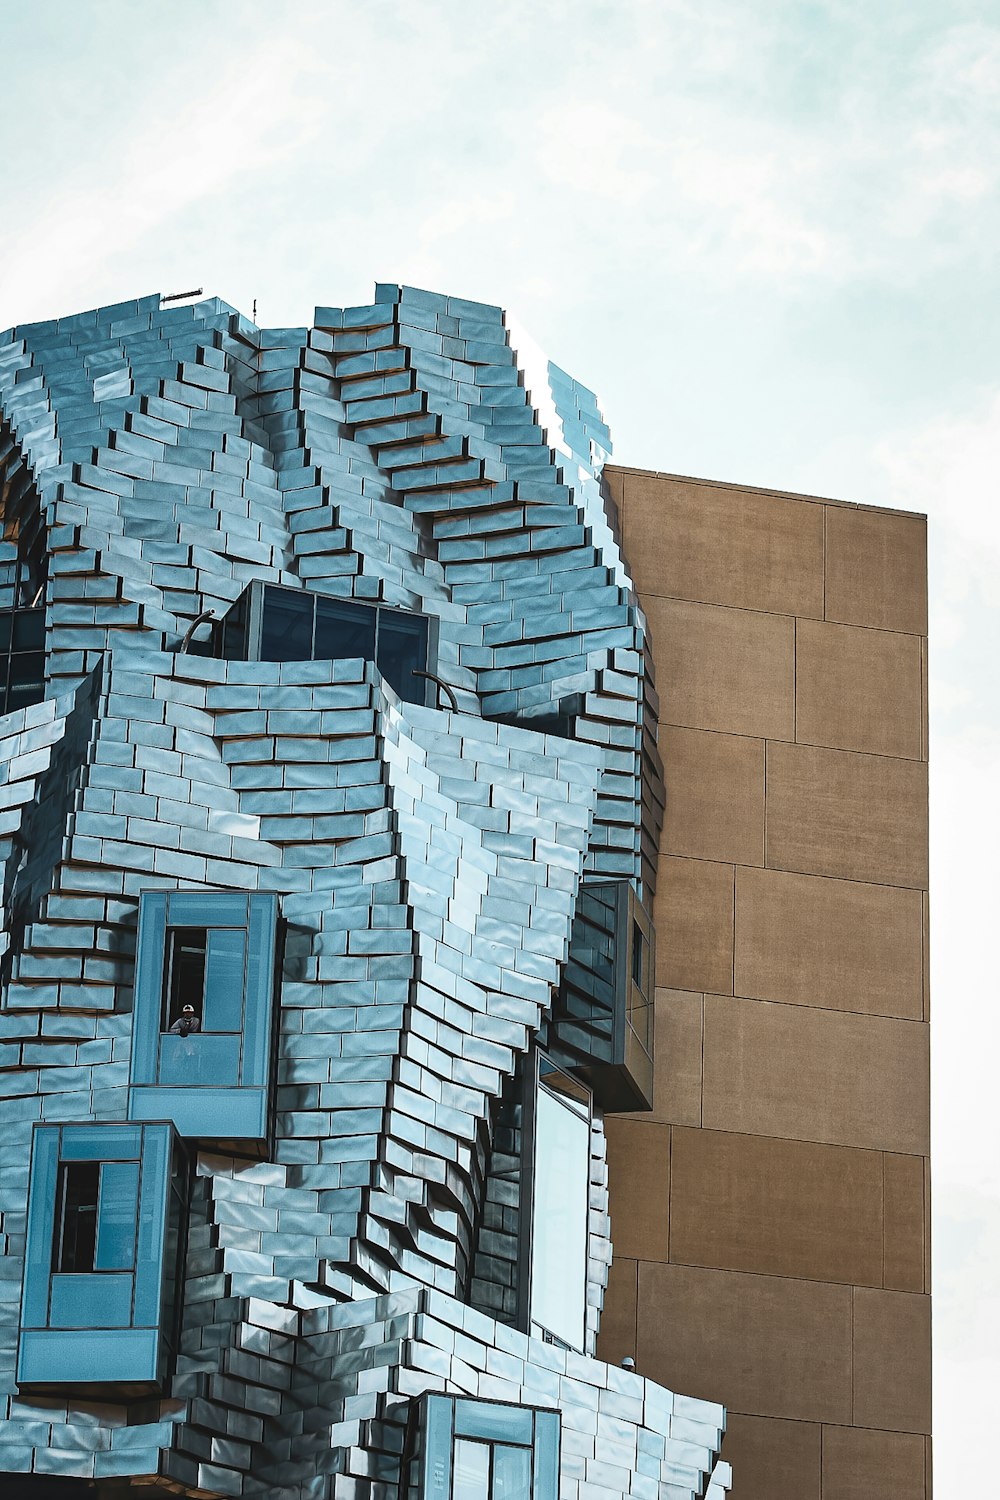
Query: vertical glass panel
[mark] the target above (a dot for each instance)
(118, 1204)
(152, 1224)
(27, 679)
(260, 981)
(559, 1214)
(511, 1473)
(117, 1208)
(6, 622)
(471, 1471)
(344, 629)
(287, 625)
(42, 1214)
(186, 951)
(225, 979)
(402, 646)
(638, 957)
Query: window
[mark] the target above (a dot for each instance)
(560, 1208)
(106, 1209)
(204, 1012)
(22, 658)
(465, 1449)
(273, 623)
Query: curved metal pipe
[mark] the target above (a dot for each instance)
(444, 686)
(206, 614)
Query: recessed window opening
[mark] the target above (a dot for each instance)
(185, 979)
(274, 623)
(74, 1241)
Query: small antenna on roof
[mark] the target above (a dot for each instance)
(254, 317)
(180, 296)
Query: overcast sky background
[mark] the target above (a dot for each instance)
(766, 233)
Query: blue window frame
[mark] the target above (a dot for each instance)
(106, 1211)
(466, 1449)
(212, 955)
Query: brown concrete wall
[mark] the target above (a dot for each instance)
(770, 1217)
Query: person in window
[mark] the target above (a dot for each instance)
(186, 1022)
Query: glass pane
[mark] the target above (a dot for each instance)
(27, 678)
(29, 630)
(118, 1205)
(186, 950)
(511, 1473)
(91, 1302)
(344, 629)
(559, 1218)
(225, 979)
(152, 1224)
(402, 646)
(76, 1223)
(471, 1471)
(287, 625)
(199, 1059)
(6, 621)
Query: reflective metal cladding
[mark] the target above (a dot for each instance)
(326, 919)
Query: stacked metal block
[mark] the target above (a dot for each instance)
(418, 453)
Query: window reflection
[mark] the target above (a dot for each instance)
(560, 1208)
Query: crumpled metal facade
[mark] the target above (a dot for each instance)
(416, 453)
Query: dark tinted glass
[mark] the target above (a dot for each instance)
(344, 629)
(286, 629)
(76, 1222)
(29, 630)
(6, 620)
(187, 948)
(402, 646)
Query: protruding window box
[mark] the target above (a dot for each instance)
(216, 952)
(106, 1211)
(602, 1016)
(465, 1449)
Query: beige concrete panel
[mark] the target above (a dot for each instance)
(781, 1208)
(858, 689)
(618, 1316)
(693, 913)
(861, 1464)
(835, 812)
(816, 1075)
(639, 1177)
(678, 1022)
(731, 670)
(892, 1360)
(876, 569)
(808, 940)
(724, 545)
(715, 796)
(904, 1223)
(767, 1345)
(772, 1459)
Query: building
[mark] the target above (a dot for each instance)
(331, 808)
(778, 1194)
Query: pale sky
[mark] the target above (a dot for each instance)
(766, 233)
